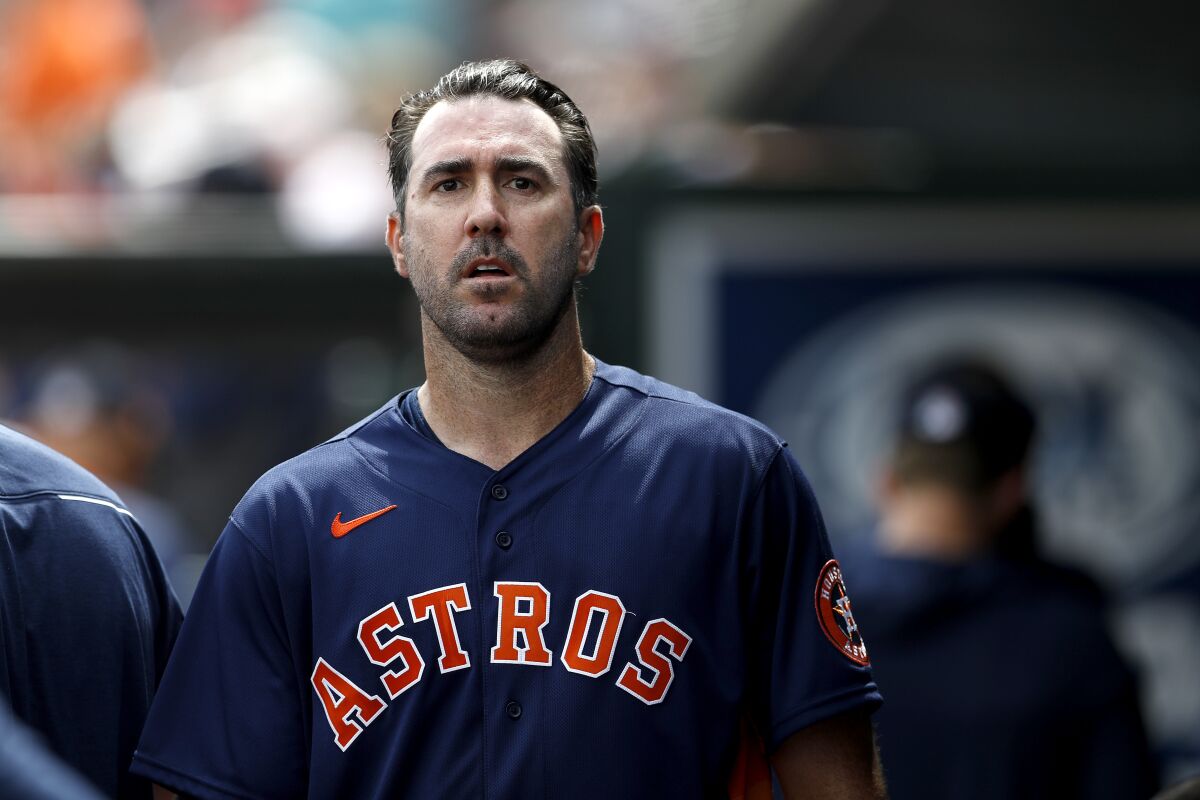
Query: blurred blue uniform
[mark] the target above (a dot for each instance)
(87, 617)
(29, 772)
(1001, 679)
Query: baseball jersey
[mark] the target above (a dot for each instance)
(384, 617)
(87, 617)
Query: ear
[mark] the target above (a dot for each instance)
(395, 242)
(591, 231)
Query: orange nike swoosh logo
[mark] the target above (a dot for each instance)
(340, 529)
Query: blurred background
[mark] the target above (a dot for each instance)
(806, 201)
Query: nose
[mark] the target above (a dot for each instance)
(485, 217)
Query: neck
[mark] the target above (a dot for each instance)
(930, 521)
(493, 411)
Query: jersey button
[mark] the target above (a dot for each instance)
(499, 492)
(513, 709)
(504, 540)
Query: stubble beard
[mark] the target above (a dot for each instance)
(500, 336)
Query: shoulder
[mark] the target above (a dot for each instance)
(666, 397)
(43, 491)
(61, 519)
(1073, 583)
(1069, 597)
(682, 419)
(1067, 602)
(29, 468)
(1049, 605)
(287, 492)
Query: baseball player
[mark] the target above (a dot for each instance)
(535, 576)
(87, 619)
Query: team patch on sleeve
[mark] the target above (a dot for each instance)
(835, 616)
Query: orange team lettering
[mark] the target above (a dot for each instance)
(524, 611)
(522, 614)
(349, 701)
(440, 602)
(653, 691)
(384, 653)
(612, 614)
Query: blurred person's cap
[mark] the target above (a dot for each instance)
(961, 424)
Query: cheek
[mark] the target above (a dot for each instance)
(417, 262)
(552, 234)
(431, 237)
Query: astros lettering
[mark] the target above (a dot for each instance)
(523, 611)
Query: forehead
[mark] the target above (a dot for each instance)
(484, 128)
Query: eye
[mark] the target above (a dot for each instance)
(522, 184)
(448, 185)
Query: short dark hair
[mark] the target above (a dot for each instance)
(510, 80)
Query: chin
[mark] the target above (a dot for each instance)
(499, 332)
(499, 340)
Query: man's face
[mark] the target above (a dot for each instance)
(490, 239)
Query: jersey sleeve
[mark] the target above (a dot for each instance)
(228, 718)
(807, 660)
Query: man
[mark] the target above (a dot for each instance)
(87, 617)
(537, 575)
(1001, 678)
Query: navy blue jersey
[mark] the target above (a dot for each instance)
(87, 617)
(383, 617)
(1002, 683)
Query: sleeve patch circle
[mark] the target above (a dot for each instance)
(835, 616)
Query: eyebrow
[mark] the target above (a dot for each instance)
(455, 166)
(523, 164)
(450, 166)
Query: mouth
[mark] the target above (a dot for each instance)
(487, 269)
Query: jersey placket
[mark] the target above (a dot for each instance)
(514, 653)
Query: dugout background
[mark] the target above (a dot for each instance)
(195, 286)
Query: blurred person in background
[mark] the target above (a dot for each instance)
(64, 65)
(1002, 681)
(87, 616)
(98, 405)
